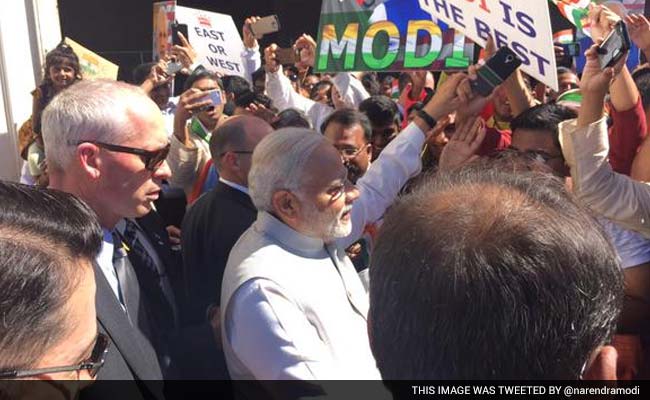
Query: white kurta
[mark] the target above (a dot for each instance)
(293, 307)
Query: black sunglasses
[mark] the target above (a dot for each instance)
(152, 159)
(93, 364)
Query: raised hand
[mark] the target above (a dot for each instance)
(463, 145)
(639, 29)
(271, 64)
(306, 45)
(185, 54)
(249, 39)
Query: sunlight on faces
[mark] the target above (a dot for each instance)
(127, 187)
(326, 198)
(62, 75)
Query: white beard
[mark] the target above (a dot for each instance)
(326, 226)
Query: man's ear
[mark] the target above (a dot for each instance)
(87, 155)
(603, 365)
(285, 204)
(369, 151)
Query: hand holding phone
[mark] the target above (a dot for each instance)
(615, 46)
(176, 28)
(216, 99)
(286, 56)
(265, 26)
(496, 70)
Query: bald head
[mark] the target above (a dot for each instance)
(232, 146)
(496, 276)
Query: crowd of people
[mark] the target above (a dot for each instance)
(314, 227)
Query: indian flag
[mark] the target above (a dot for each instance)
(563, 37)
(576, 12)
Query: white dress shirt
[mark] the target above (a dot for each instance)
(294, 307)
(105, 261)
(234, 185)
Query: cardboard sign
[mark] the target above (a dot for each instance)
(92, 65)
(215, 38)
(389, 35)
(523, 26)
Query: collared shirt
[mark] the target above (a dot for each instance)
(234, 185)
(105, 261)
(294, 307)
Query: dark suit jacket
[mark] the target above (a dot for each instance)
(130, 356)
(159, 307)
(210, 230)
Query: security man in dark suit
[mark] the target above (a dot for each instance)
(210, 229)
(106, 143)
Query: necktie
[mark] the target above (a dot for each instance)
(121, 265)
(139, 251)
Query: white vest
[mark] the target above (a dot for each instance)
(320, 279)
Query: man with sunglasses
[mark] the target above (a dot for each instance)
(106, 143)
(47, 291)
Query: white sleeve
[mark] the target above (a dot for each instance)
(351, 89)
(279, 89)
(252, 62)
(381, 184)
(271, 336)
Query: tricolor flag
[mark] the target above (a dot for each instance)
(576, 12)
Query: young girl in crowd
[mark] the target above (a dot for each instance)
(62, 69)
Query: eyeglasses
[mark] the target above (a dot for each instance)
(152, 159)
(350, 152)
(93, 364)
(335, 192)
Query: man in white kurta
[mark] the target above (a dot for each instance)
(293, 306)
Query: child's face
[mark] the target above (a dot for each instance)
(61, 75)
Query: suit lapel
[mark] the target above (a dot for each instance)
(132, 345)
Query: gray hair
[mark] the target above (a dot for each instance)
(97, 110)
(279, 162)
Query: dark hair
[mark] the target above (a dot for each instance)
(483, 274)
(247, 97)
(319, 86)
(141, 72)
(259, 73)
(564, 70)
(289, 118)
(43, 235)
(642, 80)
(543, 117)
(349, 117)
(380, 110)
(62, 54)
(370, 83)
(236, 85)
(198, 74)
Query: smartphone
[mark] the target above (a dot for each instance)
(182, 28)
(614, 47)
(496, 70)
(265, 25)
(216, 98)
(287, 56)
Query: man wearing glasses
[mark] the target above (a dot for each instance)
(48, 242)
(106, 143)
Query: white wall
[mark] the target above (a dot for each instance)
(28, 28)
